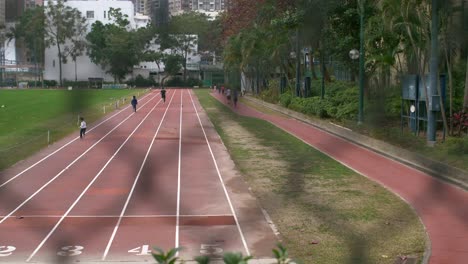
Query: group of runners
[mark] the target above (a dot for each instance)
(231, 95)
(134, 103)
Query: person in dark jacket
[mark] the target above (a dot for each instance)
(134, 103)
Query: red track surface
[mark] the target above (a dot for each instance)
(442, 207)
(155, 177)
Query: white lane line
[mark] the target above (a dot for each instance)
(53, 153)
(90, 184)
(178, 176)
(222, 181)
(66, 168)
(117, 216)
(111, 240)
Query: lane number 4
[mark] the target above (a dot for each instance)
(210, 249)
(6, 251)
(141, 251)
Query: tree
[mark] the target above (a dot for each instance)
(61, 24)
(116, 48)
(30, 30)
(172, 65)
(77, 44)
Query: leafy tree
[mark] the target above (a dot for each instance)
(172, 65)
(115, 47)
(61, 24)
(30, 30)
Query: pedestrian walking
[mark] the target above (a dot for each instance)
(82, 128)
(235, 97)
(163, 94)
(134, 103)
(228, 95)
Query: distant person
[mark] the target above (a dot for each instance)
(82, 128)
(134, 103)
(163, 94)
(222, 90)
(235, 97)
(228, 95)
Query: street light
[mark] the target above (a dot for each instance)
(361, 64)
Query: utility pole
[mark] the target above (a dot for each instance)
(298, 65)
(361, 64)
(433, 78)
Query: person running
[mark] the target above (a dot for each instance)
(163, 94)
(235, 97)
(82, 128)
(134, 103)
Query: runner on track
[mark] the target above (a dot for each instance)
(134, 103)
(163, 94)
(82, 128)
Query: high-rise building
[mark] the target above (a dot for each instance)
(209, 5)
(159, 12)
(2, 14)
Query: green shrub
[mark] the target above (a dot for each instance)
(285, 99)
(457, 146)
(50, 83)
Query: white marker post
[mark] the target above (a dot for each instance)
(48, 137)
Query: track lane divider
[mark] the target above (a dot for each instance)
(124, 209)
(66, 168)
(62, 147)
(89, 185)
(178, 175)
(221, 180)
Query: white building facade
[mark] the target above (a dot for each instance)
(97, 10)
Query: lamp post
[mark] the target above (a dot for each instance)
(298, 65)
(434, 72)
(361, 63)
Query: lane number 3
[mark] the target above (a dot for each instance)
(6, 251)
(70, 251)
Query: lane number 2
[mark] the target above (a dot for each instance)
(70, 251)
(141, 251)
(6, 251)
(210, 249)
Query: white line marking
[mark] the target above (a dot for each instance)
(178, 176)
(90, 184)
(116, 216)
(46, 157)
(221, 179)
(66, 168)
(111, 240)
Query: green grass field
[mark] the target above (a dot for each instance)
(325, 212)
(26, 116)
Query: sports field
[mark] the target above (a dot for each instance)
(32, 119)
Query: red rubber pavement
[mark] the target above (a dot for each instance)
(113, 202)
(442, 207)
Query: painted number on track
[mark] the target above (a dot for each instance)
(70, 251)
(141, 251)
(6, 251)
(211, 249)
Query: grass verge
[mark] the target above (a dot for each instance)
(325, 212)
(28, 115)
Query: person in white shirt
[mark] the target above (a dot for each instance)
(82, 128)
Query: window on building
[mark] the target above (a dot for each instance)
(104, 14)
(53, 63)
(89, 14)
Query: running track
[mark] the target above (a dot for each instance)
(159, 177)
(442, 207)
